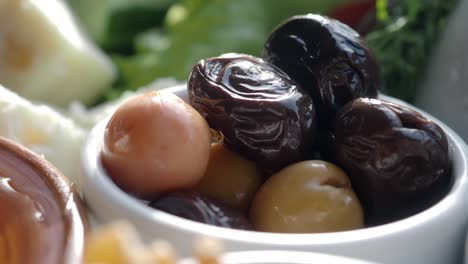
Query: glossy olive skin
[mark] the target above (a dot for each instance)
(197, 207)
(310, 196)
(155, 143)
(328, 58)
(397, 160)
(263, 114)
(230, 178)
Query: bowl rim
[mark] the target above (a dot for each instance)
(280, 256)
(95, 174)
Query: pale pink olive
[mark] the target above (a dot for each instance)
(155, 142)
(230, 178)
(307, 197)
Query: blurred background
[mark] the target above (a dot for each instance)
(149, 39)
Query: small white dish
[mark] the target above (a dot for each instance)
(279, 257)
(435, 235)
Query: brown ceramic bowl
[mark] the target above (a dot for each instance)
(42, 218)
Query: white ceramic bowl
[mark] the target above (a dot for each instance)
(435, 235)
(279, 257)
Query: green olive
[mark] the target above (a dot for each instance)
(307, 197)
(230, 178)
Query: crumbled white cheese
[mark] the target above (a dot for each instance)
(43, 130)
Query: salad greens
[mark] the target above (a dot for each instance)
(404, 37)
(191, 30)
(150, 39)
(113, 24)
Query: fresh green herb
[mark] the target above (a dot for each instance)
(406, 33)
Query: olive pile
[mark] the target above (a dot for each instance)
(311, 97)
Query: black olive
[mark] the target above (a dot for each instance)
(397, 160)
(197, 207)
(263, 114)
(328, 58)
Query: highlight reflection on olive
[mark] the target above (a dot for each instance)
(264, 115)
(307, 197)
(327, 58)
(201, 208)
(397, 159)
(154, 143)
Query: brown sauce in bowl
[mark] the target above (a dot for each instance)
(40, 214)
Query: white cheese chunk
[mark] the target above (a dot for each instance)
(44, 55)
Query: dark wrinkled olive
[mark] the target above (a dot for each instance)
(328, 58)
(397, 159)
(197, 207)
(263, 114)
